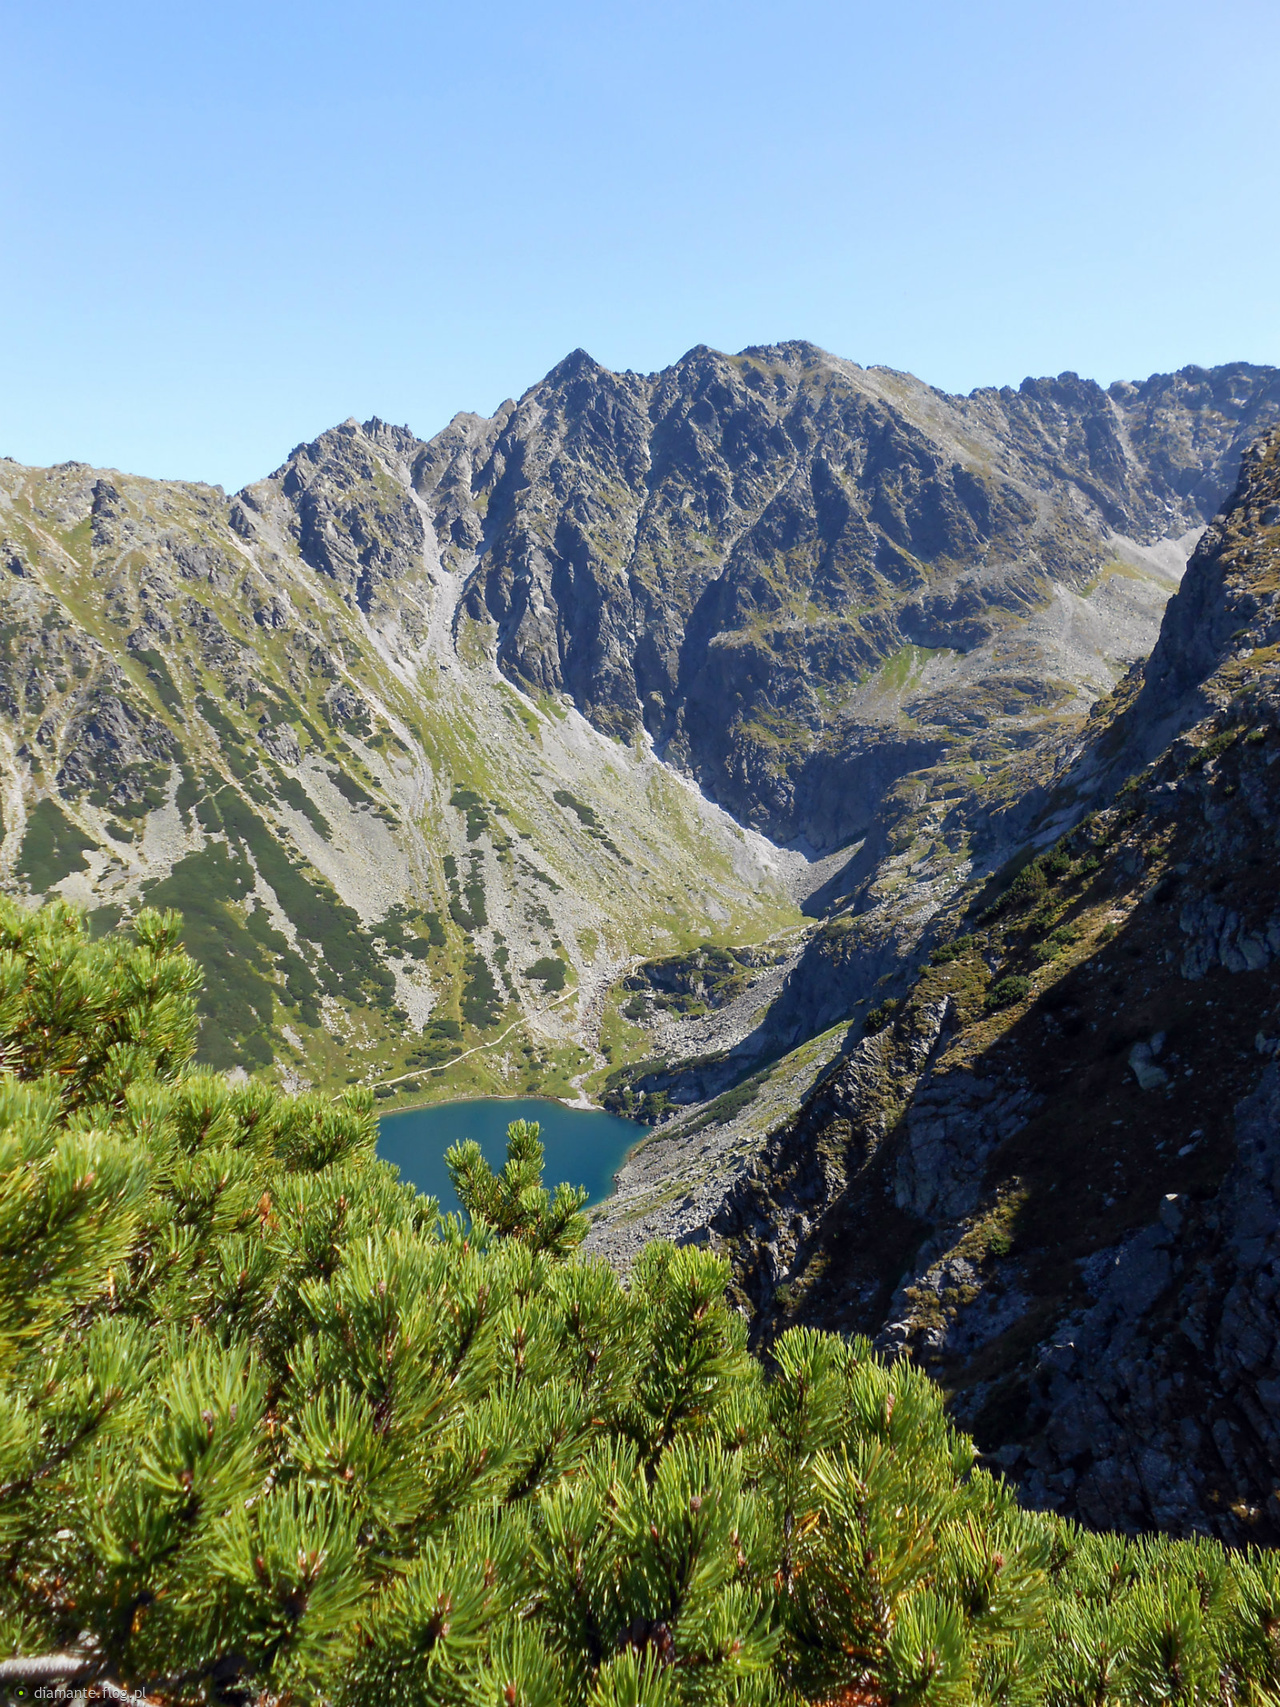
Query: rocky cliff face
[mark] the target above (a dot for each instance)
(858, 612)
(727, 554)
(1053, 1174)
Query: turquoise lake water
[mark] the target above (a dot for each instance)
(584, 1146)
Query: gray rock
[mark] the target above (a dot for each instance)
(1150, 1077)
(281, 742)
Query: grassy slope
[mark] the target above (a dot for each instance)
(372, 909)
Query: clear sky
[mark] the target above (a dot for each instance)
(226, 227)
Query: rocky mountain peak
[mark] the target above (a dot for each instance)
(721, 556)
(792, 352)
(1227, 609)
(577, 363)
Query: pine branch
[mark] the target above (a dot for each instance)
(24, 1484)
(37, 1668)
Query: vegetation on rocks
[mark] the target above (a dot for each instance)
(705, 977)
(208, 705)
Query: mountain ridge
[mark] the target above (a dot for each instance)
(358, 669)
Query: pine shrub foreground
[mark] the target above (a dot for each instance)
(271, 1431)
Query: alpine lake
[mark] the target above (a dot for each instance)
(583, 1146)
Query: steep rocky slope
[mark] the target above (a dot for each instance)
(728, 554)
(435, 742)
(268, 713)
(1052, 1174)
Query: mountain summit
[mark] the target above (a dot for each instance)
(724, 555)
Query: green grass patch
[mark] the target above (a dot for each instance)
(905, 667)
(1007, 991)
(731, 1102)
(879, 1017)
(350, 789)
(589, 819)
(468, 801)
(348, 965)
(161, 681)
(237, 1003)
(291, 791)
(946, 952)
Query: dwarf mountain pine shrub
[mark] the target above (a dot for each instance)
(273, 1431)
(1006, 991)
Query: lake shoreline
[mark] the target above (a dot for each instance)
(583, 1145)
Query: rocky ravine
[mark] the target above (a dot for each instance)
(1053, 1177)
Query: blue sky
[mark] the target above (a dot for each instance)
(224, 228)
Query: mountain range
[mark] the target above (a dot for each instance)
(435, 743)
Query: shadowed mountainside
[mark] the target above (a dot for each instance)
(1053, 1175)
